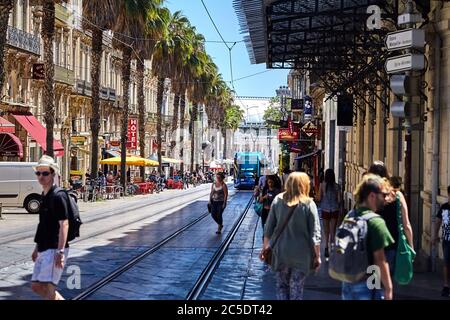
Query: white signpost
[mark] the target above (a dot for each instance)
(409, 38)
(406, 62)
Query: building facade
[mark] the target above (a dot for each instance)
(22, 91)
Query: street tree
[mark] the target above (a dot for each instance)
(130, 23)
(99, 16)
(48, 35)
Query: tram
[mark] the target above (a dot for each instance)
(248, 166)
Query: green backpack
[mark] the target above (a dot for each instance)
(404, 270)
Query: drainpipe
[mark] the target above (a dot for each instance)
(436, 141)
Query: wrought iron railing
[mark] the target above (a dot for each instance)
(23, 40)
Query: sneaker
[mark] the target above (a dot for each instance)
(445, 292)
(327, 255)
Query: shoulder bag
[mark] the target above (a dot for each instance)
(267, 253)
(404, 259)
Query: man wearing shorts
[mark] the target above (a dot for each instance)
(51, 249)
(443, 217)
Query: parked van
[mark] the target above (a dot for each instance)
(19, 186)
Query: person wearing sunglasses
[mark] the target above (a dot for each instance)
(51, 250)
(389, 214)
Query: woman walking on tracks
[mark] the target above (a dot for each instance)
(292, 235)
(218, 200)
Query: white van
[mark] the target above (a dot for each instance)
(19, 186)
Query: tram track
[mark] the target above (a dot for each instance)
(104, 215)
(206, 274)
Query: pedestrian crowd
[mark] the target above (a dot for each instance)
(369, 248)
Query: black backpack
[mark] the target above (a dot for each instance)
(74, 214)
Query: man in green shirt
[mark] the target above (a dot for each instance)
(370, 197)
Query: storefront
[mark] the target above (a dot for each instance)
(79, 157)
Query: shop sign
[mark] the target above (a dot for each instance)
(132, 134)
(285, 134)
(38, 71)
(78, 140)
(310, 129)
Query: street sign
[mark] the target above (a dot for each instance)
(406, 62)
(310, 129)
(409, 38)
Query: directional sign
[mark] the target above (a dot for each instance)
(405, 62)
(409, 38)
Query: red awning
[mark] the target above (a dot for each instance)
(6, 126)
(38, 132)
(10, 145)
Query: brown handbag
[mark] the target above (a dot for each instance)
(268, 253)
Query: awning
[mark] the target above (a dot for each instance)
(154, 157)
(6, 126)
(170, 160)
(113, 153)
(214, 165)
(304, 156)
(130, 161)
(10, 145)
(38, 132)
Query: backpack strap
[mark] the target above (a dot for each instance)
(369, 216)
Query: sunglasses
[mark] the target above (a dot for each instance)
(385, 194)
(44, 173)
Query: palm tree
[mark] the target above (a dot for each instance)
(131, 20)
(99, 16)
(166, 63)
(191, 69)
(5, 9)
(201, 91)
(156, 28)
(48, 34)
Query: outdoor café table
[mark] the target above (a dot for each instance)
(143, 187)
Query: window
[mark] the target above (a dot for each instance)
(57, 48)
(24, 15)
(14, 21)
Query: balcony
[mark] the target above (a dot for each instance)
(23, 40)
(104, 93)
(112, 94)
(83, 88)
(62, 13)
(64, 75)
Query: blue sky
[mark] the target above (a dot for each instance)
(222, 11)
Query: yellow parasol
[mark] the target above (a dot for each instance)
(130, 161)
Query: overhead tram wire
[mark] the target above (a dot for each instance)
(80, 18)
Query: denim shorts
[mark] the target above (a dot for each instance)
(360, 291)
